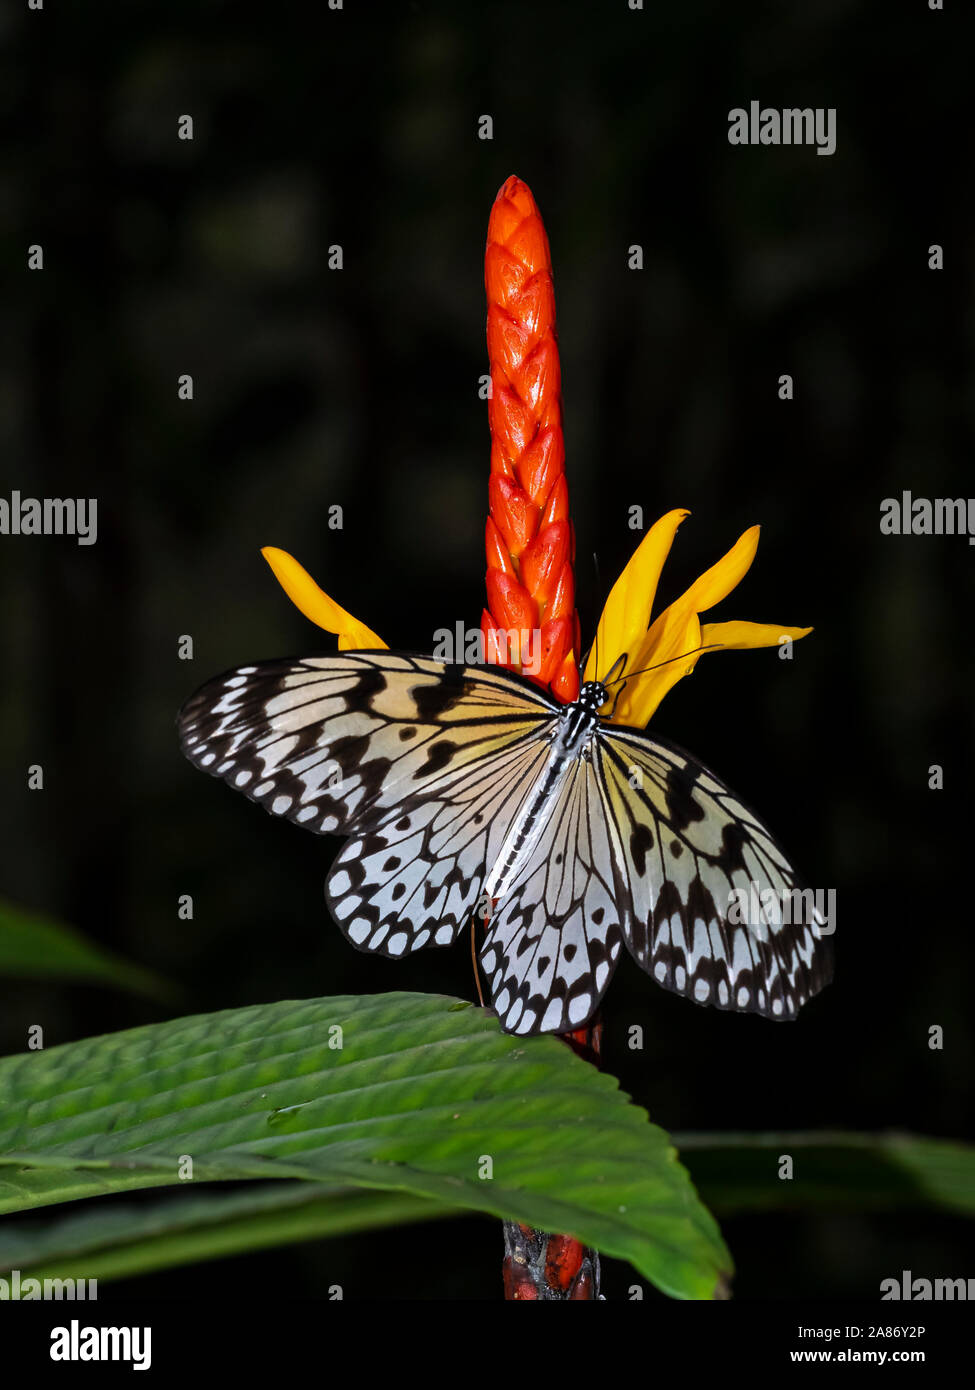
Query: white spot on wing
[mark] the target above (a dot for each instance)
(552, 1017)
(579, 1009)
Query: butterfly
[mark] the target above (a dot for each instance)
(468, 790)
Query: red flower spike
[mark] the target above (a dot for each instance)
(508, 341)
(495, 640)
(557, 506)
(514, 512)
(556, 645)
(510, 603)
(510, 419)
(563, 1259)
(565, 686)
(530, 545)
(540, 375)
(530, 551)
(535, 305)
(542, 464)
(498, 554)
(501, 466)
(562, 603)
(543, 561)
(506, 275)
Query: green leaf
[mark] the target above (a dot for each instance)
(736, 1173)
(38, 947)
(834, 1169)
(114, 1241)
(419, 1097)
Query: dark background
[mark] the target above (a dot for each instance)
(360, 387)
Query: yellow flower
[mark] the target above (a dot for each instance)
(316, 605)
(625, 628)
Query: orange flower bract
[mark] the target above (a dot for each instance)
(529, 539)
(530, 623)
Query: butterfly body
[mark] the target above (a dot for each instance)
(459, 786)
(572, 735)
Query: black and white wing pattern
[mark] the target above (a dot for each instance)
(467, 789)
(334, 742)
(423, 764)
(415, 877)
(555, 937)
(691, 854)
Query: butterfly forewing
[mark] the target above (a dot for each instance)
(337, 741)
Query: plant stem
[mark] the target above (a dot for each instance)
(553, 1268)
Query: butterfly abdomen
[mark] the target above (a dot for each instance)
(572, 735)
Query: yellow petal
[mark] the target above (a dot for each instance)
(739, 634)
(671, 648)
(316, 605)
(679, 640)
(627, 611)
(718, 582)
(675, 641)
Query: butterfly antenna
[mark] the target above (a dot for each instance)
(595, 641)
(621, 662)
(599, 590)
(708, 647)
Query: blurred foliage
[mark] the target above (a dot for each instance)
(36, 947)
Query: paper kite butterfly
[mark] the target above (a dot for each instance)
(467, 789)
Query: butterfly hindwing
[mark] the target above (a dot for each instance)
(554, 938)
(689, 846)
(415, 877)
